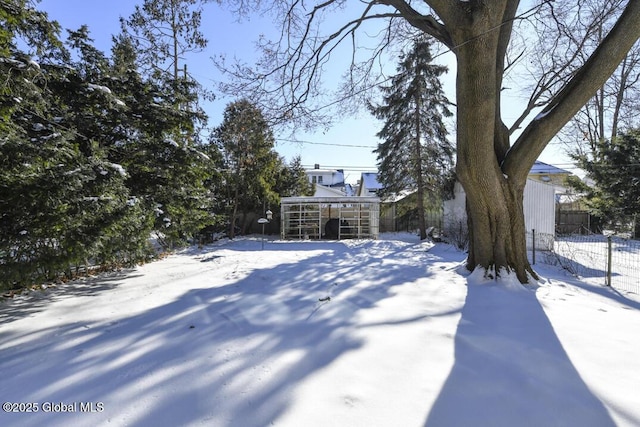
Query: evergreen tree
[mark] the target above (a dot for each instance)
(162, 33)
(62, 194)
(110, 227)
(414, 152)
(293, 180)
(165, 31)
(246, 142)
(93, 157)
(35, 157)
(17, 69)
(615, 171)
(160, 148)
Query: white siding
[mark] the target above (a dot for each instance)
(539, 207)
(455, 209)
(325, 176)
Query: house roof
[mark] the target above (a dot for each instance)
(312, 171)
(541, 168)
(394, 198)
(370, 181)
(325, 191)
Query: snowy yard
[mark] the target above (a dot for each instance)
(587, 258)
(385, 333)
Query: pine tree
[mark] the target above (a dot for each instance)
(165, 31)
(92, 156)
(162, 34)
(615, 171)
(106, 224)
(293, 180)
(17, 68)
(246, 142)
(414, 152)
(34, 154)
(160, 147)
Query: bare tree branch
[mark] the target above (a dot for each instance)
(592, 75)
(427, 23)
(291, 67)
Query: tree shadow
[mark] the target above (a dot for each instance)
(35, 301)
(511, 369)
(598, 289)
(626, 245)
(228, 353)
(607, 292)
(574, 266)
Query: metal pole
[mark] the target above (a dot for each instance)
(533, 243)
(609, 250)
(264, 204)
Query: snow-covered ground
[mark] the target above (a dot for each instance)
(587, 257)
(390, 332)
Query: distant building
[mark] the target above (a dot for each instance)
(333, 212)
(550, 175)
(544, 187)
(369, 185)
(541, 202)
(328, 182)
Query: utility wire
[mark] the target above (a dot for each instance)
(300, 141)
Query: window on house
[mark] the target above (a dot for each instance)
(313, 179)
(320, 179)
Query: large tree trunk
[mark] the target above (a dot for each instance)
(496, 228)
(494, 200)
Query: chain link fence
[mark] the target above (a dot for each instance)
(598, 259)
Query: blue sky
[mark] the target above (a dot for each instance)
(347, 145)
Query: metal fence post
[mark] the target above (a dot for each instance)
(533, 244)
(609, 251)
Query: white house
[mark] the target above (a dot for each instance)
(369, 185)
(326, 177)
(328, 182)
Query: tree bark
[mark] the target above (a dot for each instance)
(234, 214)
(420, 179)
(494, 200)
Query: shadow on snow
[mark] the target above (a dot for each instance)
(214, 350)
(219, 349)
(506, 352)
